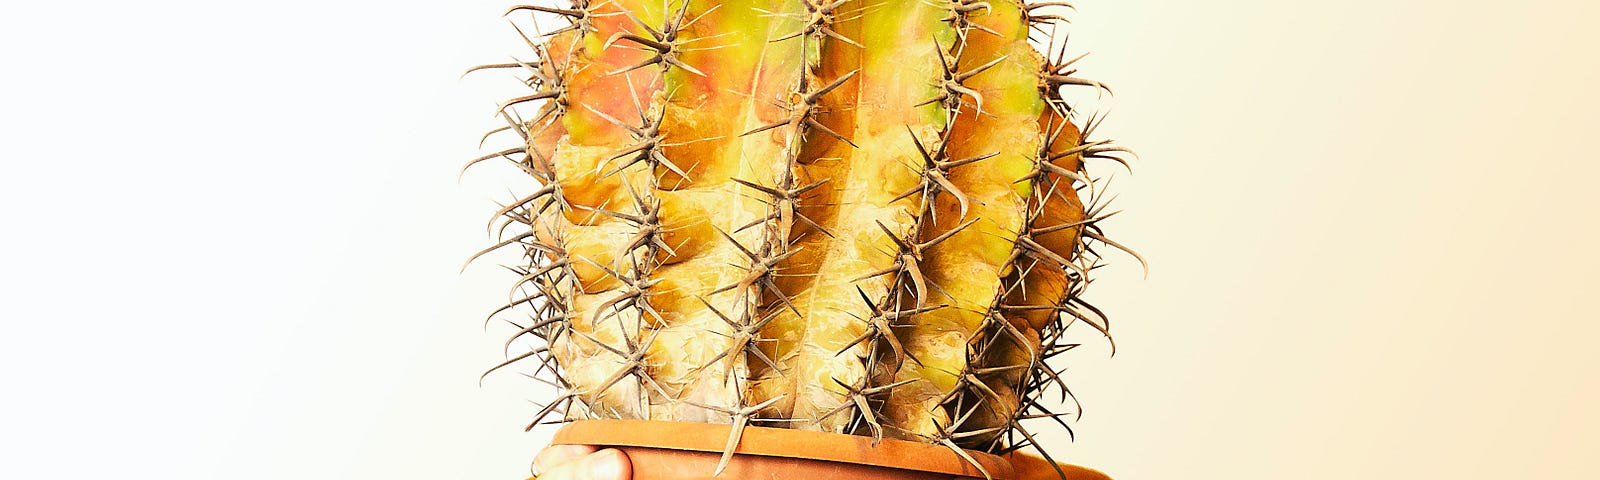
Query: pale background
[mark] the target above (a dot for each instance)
(232, 234)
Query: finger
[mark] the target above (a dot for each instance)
(608, 464)
(555, 455)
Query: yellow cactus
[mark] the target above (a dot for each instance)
(848, 216)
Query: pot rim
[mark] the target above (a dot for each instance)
(782, 442)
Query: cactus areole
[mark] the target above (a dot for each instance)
(858, 217)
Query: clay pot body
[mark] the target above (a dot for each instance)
(691, 451)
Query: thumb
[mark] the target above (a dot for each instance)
(608, 464)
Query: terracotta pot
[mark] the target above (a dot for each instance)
(685, 451)
(1031, 467)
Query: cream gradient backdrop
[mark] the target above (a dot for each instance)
(234, 231)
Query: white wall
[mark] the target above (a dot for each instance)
(234, 231)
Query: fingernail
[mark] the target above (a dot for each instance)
(607, 465)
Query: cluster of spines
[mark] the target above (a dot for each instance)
(939, 410)
(914, 287)
(540, 286)
(552, 269)
(1026, 328)
(976, 418)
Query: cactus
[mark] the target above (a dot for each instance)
(861, 217)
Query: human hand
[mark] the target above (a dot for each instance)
(581, 462)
